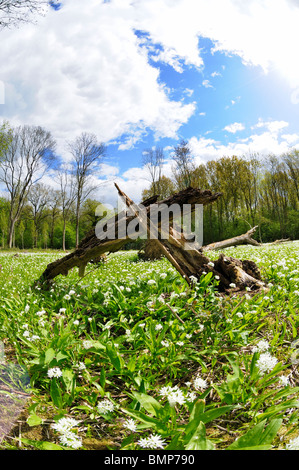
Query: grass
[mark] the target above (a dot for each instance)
(140, 360)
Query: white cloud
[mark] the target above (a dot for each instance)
(216, 74)
(207, 84)
(272, 126)
(84, 68)
(270, 141)
(81, 68)
(236, 127)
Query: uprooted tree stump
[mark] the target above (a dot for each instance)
(188, 258)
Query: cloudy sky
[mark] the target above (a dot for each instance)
(221, 74)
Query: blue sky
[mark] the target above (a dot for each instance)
(222, 75)
(225, 91)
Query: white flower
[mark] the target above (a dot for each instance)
(72, 292)
(26, 334)
(131, 425)
(261, 346)
(35, 337)
(27, 308)
(62, 310)
(76, 322)
(159, 327)
(176, 396)
(64, 425)
(41, 313)
(105, 406)
(211, 264)
(199, 383)
(293, 444)
(67, 297)
(266, 362)
(151, 282)
(87, 344)
(154, 441)
(191, 396)
(239, 315)
(284, 381)
(54, 372)
(71, 440)
(165, 343)
(232, 284)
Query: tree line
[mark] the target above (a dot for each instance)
(32, 214)
(256, 190)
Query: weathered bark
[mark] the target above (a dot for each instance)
(92, 247)
(277, 242)
(188, 258)
(245, 239)
(151, 250)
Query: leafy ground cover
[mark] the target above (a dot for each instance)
(130, 357)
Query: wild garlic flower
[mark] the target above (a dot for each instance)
(293, 444)
(64, 425)
(105, 406)
(154, 441)
(266, 362)
(284, 381)
(67, 437)
(200, 383)
(54, 372)
(131, 425)
(71, 440)
(261, 346)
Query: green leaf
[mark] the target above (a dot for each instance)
(49, 355)
(148, 420)
(149, 403)
(199, 441)
(103, 378)
(34, 420)
(210, 415)
(115, 358)
(257, 438)
(41, 445)
(56, 394)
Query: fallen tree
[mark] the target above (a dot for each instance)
(188, 258)
(151, 250)
(244, 239)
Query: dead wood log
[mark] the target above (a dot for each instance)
(151, 251)
(277, 242)
(244, 239)
(91, 247)
(188, 258)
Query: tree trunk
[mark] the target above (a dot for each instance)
(63, 235)
(244, 239)
(189, 259)
(11, 233)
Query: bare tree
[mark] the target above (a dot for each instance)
(153, 160)
(183, 165)
(38, 198)
(24, 162)
(14, 12)
(87, 155)
(67, 197)
(54, 204)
